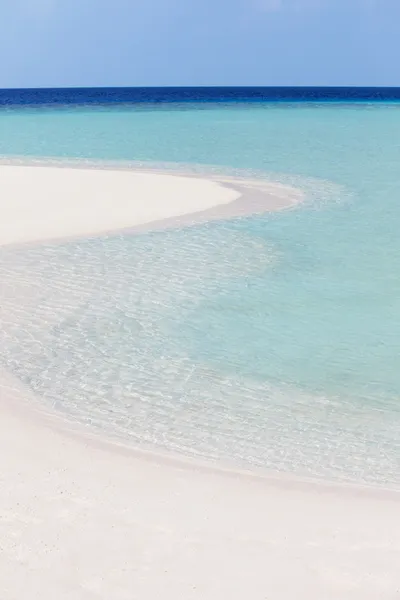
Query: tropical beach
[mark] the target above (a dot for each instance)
(199, 300)
(83, 516)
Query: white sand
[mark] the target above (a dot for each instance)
(81, 520)
(84, 520)
(38, 203)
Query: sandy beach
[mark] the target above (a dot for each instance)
(83, 518)
(40, 203)
(48, 202)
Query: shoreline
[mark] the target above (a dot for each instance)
(82, 516)
(19, 401)
(101, 200)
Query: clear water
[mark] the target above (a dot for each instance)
(269, 341)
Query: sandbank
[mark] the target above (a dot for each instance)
(51, 202)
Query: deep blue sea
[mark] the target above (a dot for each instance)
(270, 341)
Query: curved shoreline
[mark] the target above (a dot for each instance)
(88, 515)
(26, 405)
(46, 202)
(83, 517)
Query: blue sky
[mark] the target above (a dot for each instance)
(199, 42)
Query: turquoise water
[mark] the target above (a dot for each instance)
(267, 341)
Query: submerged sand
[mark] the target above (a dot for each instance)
(81, 518)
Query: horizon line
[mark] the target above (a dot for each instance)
(202, 86)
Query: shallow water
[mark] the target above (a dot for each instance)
(267, 341)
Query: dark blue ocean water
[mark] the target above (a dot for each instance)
(139, 95)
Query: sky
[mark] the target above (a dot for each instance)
(62, 43)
